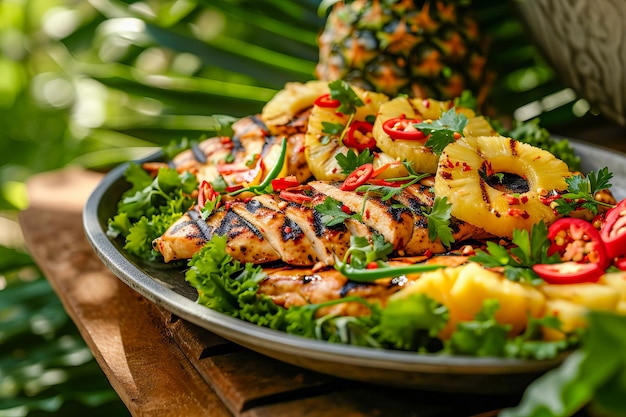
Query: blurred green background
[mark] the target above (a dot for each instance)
(94, 83)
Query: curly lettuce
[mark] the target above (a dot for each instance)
(410, 323)
(149, 207)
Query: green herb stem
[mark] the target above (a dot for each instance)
(265, 184)
(369, 275)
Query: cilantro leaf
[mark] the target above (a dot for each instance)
(332, 128)
(331, 212)
(530, 249)
(167, 185)
(442, 131)
(581, 192)
(467, 100)
(362, 252)
(483, 336)
(341, 90)
(351, 160)
(409, 323)
(439, 222)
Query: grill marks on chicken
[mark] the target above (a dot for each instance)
(207, 159)
(266, 228)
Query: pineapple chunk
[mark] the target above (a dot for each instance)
(476, 284)
(571, 315)
(437, 285)
(590, 295)
(463, 290)
(617, 281)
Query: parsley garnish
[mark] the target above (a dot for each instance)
(387, 192)
(531, 248)
(362, 251)
(439, 222)
(341, 90)
(331, 212)
(349, 102)
(351, 160)
(357, 261)
(467, 100)
(581, 191)
(442, 131)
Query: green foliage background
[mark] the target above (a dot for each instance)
(94, 83)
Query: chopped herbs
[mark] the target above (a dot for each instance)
(348, 99)
(581, 192)
(529, 249)
(443, 131)
(439, 222)
(351, 160)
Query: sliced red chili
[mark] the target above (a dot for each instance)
(613, 230)
(357, 177)
(578, 241)
(620, 263)
(384, 183)
(326, 101)
(284, 183)
(401, 128)
(206, 193)
(232, 188)
(359, 136)
(295, 197)
(569, 272)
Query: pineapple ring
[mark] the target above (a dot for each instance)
(320, 149)
(421, 157)
(290, 101)
(498, 210)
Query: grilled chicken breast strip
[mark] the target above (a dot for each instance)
(266, 228)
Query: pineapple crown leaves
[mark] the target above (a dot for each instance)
(444, 130)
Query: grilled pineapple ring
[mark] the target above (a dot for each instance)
(423, 159)
(290, 101)
(471, 173)
(321, 148)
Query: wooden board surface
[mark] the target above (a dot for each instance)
(161, 365)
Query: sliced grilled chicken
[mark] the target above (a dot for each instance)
(282, 233)
(266, 228)
(289, 287)
(391, 221)
(237, 159)
(325, 242)
(187, 236)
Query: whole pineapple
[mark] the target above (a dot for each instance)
(418, 47)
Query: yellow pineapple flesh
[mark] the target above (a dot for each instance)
(498, 184)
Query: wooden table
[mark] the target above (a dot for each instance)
(161, 365)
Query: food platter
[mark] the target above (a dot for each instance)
(165, 286)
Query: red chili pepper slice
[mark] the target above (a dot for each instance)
(613, 230)
(206, 193)
(284, 183)
(327, 102)
(401, 128)
(620, 263)
(357, 177)
(359, 136)
(569, 272)
(385, 183)
(295, 197)
(232, 188)
(578, 241)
